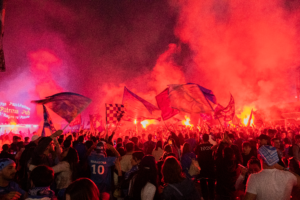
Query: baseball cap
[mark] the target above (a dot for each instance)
(268, 154)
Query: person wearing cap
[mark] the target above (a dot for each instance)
(9, 190)
(100, 167)
(270, 183)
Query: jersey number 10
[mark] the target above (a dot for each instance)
(100, 169)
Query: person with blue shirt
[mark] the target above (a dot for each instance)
(100, 167)
(9, 190)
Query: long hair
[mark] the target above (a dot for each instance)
(147, 173)
(158, 144)
(172, 171)
(186, 148)
(83, 189)
(72, 159)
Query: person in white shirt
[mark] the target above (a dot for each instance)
(270, 183)
(126, 159)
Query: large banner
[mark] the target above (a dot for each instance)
(11, 112)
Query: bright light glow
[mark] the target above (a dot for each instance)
(135, 121)
(245, 115)
(146, 123)
(186, 122)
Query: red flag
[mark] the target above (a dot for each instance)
(226, 113)
(164, 104)
(249, 121)
(137, 108)
(76, 121)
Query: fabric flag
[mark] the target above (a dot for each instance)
(2, 14)
(114, 113)
(92, 128)
(164, 105)
(76, 121)
(206, 116)
(258, 118)
(47, 122)
(226, 113)
(137, 108)
(191, 98)
(249, 121)
(67, 105)
(236, 120)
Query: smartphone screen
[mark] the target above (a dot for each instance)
(115, 143)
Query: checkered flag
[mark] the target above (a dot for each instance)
(114, 113)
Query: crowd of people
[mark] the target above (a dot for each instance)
(165, 163)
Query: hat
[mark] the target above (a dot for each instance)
(100, 147)
(4, 162)
(34, 137)
(263, 137)
(269, 154)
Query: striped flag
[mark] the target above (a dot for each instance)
(47, 122)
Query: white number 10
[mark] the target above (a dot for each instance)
(100, 169)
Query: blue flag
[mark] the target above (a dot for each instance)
(47, 122)
(67, 105)
(191, 98)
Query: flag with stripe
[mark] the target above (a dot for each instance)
(47, 122)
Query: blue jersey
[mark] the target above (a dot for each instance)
(100, 167)
(12, 187)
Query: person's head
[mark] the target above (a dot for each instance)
(268, 156)
(20, 145)
(149, 137)
(186, 148)
(168, 148)
(50, 147)
(205, 137)
(158, 145)
(82, 189)
(69, 137)
(129, 146)
(81, 139)
(246, 148)
(26, 139)
(263, 139)
(126, 137)
(119, 140)
(172, 171)
(42, 176)
(137, 157)
(67, 144)
(253, 165)
(276, 143)
(71, 156)
(100, 148)
(16, 139)
(147, 173)
(297, 139)
(121, 151)
(5, 147)
(135, 140)
(7, 169)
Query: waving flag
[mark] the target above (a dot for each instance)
(76, 121)
(226, 113)
(47, 122)
(164, 105)
(114, 113)
(191, 98)
(67, 105)
(137, 108)
(2, 14)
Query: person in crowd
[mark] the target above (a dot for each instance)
(82, 189)
(247, 153)
(26, 141)
(276, 143)
(126, 140)
(5, 152)
(144, 184)
(263, 140)
(176, 185)
(41, 179)
(253, 166)
(270, 183)
(100, 167)
(192, 142)
(158, 152)
(135, 140)
(226, 174)
(206, 162)
(126, 159)
(9, 190)
(80, 148)
(66, 170)
(14, 146)
(137, 157)
(186, 159)
(149, 145)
